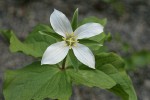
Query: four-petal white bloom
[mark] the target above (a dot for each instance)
(58, 51)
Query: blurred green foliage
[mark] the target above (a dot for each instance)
(117, 5)
(134, 58)
(138, 59)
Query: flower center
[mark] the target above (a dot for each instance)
(70, 40)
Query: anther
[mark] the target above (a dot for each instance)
(70, 40)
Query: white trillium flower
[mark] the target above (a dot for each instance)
(58, 51)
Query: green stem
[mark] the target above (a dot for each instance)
(64, 63)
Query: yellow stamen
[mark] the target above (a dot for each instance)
(70, 40)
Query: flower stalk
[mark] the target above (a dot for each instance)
(64, 64)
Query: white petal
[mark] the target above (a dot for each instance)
(60, 23)
(55, 53)
(84, 55)
(88, 30)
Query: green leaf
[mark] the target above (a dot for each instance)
(35, 44)
(110, 58)
(121, 87)
(98, 40)
(53, 35)
(95, 43)
(113, 65)
(74, 21)
(34, 49)
(36, 82)
(118, 90)
(36, 36)
(74, 61)
(91, 78)
(6, 34)
(42, 29)
(101, 38)
(90, 43)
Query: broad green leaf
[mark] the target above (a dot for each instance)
(36, 82)
(121, 87)
(35, 44)
(110, 58)
(74, 22)
(118, 90)
(91, 43)
(113, 65)
(91, 78)
(36, 36)
(53, 35)
(101, 38)
(34, 49)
